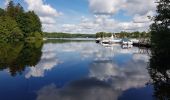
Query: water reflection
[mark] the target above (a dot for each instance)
(159, 70)
(112, 72)
(87, 89)
(78, 71)
(48, 61)
(16, 56)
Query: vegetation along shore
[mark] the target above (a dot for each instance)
(19, 25)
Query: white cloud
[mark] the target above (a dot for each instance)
(101, 92)
(130, 74)
(48, 61)
(107, 80)
(105, 6)
(43, 66)
(143, 18)
(47, 13)
(106, 23)
(6, 2)
(47, 20)
(140, 7)
(103, 10)
(42, 9)
(139, 10)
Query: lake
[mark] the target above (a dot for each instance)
(74, 70)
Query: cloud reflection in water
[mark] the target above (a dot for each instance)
(107, 79)
(48, 61)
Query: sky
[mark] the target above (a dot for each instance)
(91, 16)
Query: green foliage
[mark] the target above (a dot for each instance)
(28, 22)
(37, 35)
(2, 12)
(34, 22)
(10, 10)
(160, 29)
(160, 40)
(103, 34)
(136, 34)
(124, 34)
(67, 35)
(17, 56)
(16, 24)
(34, 37)
(9, 29)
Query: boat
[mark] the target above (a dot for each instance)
(127, 42)
(108, 40)
(105, 41)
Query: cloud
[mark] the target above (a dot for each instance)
(133, 7)
(140, 7)
(92, 90)
(134, 75)
(108, 77)
(102, 19)
(106, 81)
(41, 8)
(105, 6)
(107, 24)
(138, 10)
(40, 69)
(6, 2)
(48, 61)
(47, 20)
(46, 12)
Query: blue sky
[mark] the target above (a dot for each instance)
(91, 16)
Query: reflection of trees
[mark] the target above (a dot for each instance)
(17, 56)
(67, 40)
(160, 39)
(159, 72)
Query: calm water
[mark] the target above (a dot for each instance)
(74, 71)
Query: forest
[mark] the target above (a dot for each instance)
(19, 25)
(67, 35)
(124, 34)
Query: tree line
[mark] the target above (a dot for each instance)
(17, 24)
(67, 35)
(124, 34)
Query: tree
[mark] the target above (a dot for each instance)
(35, 23)
(19, 9)
(103, 34)
(16, 23)
(23, 22)
(29, 22)
(9, 29)
(2, 12)
(160, 40)
(160, 29)
(10, 10)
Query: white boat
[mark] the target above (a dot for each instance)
(105, 41)
(108, 40)
(127, 42)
